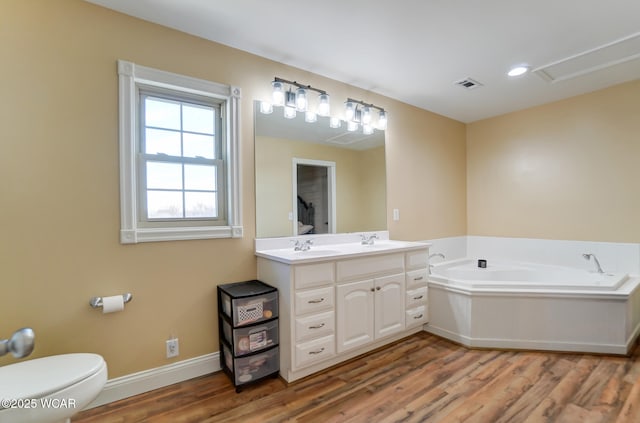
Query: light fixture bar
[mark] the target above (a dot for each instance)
(299, 85)
(364, 104)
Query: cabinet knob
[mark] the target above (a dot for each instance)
(377, 288)
(316, 301)
(317, 351)
(372, 290)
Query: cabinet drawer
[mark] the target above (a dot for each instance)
(416, 316)
(416, 278)
(417, 259)
(246, 369)
(310, 275)
(311, 352)
(314, 300)
(372, 266)
(249, 339)
(416, 297)
(315, 326)
(245, 311)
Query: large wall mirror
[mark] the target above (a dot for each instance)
(314, 179)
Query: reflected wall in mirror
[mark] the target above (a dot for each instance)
(288, 150)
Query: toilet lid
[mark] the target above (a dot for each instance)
(41, 376)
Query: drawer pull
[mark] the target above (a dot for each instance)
(419, 278)
(418, 297)
(316, 301)
(320, 326)
(419, 316)
(321, 350)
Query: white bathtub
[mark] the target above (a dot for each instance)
(501, 275)
(533, 306)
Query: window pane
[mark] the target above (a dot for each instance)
(160, 141)
(197, 118)
(200, 177)
(200, 204)
(162, 113)
(164, 175)
(164, 205)
(198, 145)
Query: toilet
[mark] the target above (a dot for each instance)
(50, 389)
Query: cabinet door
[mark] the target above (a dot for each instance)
(389, 305)
(354, 314)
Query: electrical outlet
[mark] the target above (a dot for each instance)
(173, 348)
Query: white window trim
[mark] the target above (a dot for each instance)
(129, 75)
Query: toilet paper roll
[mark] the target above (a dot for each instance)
(112, 304)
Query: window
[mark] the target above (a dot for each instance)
(179, 158)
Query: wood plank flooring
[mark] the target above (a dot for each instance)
(422, 378)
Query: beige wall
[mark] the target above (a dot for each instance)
(566, 170)
(360, 185)
(60, 195)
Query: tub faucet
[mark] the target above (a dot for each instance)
(437, 255)
(588, 256)
(368, 240)
(302, 245)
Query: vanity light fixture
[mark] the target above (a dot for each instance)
(298, 100)
(335, 122)
(363, 115)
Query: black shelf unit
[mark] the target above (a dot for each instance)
(248, 331)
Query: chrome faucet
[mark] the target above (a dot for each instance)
(437, 255)
(20, 344)
(302, 245)
(588, 256)
(368, 240)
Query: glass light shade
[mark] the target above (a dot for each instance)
(334, 122)
(266, 107)
(310, 116)
(352, 126)
(367, 129)
(382, 120)
(289, 112)
(349, 110)
(366, 115)
(323, 105)
(301, 100)
(278, 93)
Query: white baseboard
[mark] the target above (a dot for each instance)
(148, 380)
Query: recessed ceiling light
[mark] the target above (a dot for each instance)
(518, 70)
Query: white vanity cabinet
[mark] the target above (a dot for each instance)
(335, 308)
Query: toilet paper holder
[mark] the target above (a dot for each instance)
(97, 301)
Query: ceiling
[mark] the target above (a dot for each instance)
(415, 50)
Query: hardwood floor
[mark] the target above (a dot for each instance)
(422, 378)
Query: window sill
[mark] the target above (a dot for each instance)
(134, 236)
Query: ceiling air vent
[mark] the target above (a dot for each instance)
(468, 83)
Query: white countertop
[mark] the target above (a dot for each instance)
(326, 252)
